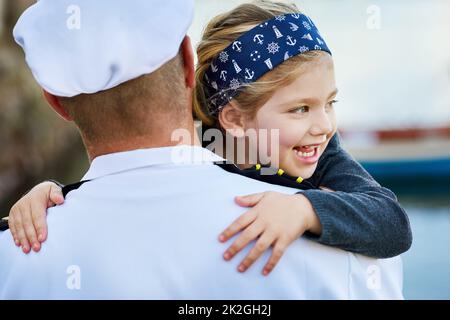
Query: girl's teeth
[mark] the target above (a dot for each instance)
(305, 154)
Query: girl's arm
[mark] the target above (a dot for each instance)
(27, 218)
(360, 216)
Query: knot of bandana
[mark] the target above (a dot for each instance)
(257, 52)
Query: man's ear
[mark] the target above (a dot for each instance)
(53, 101)
(232, 120)
(188, 60)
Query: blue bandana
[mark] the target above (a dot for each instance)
(257, 52)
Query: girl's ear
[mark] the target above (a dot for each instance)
(232, 120)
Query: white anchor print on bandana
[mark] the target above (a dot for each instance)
(257, 52)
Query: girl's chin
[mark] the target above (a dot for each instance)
(305, 172)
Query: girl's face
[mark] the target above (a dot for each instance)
(304, 114)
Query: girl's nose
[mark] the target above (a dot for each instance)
(322, 123)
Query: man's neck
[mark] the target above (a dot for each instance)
(165, 138)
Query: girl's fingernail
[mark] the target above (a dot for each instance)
(40, 237)
(222, 238)
(265, 272)
(227, 255)
(35, 247)
(25, 249)
(241, 268)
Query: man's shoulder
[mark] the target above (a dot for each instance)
(173, 178)
(14, 264)
(7, 244)
(236, 181)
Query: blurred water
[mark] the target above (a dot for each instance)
(427, 263)
(394, 76)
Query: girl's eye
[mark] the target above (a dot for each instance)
(303, 109)
(332, 103)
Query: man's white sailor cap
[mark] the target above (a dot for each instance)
(86, 46)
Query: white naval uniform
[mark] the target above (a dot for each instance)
(147, 228)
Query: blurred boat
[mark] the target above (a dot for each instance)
(417, 155)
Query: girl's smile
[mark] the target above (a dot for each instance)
(308, 154)
(303, 113)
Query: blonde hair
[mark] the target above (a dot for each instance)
(220, 32)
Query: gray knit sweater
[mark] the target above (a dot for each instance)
(360, 216)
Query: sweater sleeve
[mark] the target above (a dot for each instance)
(360, 215)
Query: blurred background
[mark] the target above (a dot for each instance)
(392, 61)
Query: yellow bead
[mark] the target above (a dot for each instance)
(299, 180)
(280, 172)
(258, 166)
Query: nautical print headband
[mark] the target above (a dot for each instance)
(257, 52)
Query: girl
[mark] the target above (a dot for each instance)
(265, 66)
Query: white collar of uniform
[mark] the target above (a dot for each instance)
(118, 162)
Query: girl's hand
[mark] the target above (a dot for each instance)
(27, 217)
(277, 219)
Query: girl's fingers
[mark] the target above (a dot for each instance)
(249, 200)
(277, 253)
(12, 228)
(263, 243)
(21, 235)
(249, 234)
(38, 217)
(12, 223)
(56, 195)
(30, 232)
(240, 223)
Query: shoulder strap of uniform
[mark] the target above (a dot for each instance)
(70, 187)
(279, 178)
(4, 225)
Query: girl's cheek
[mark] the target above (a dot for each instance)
(292, 134)
(285, 133)
(333, 120)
